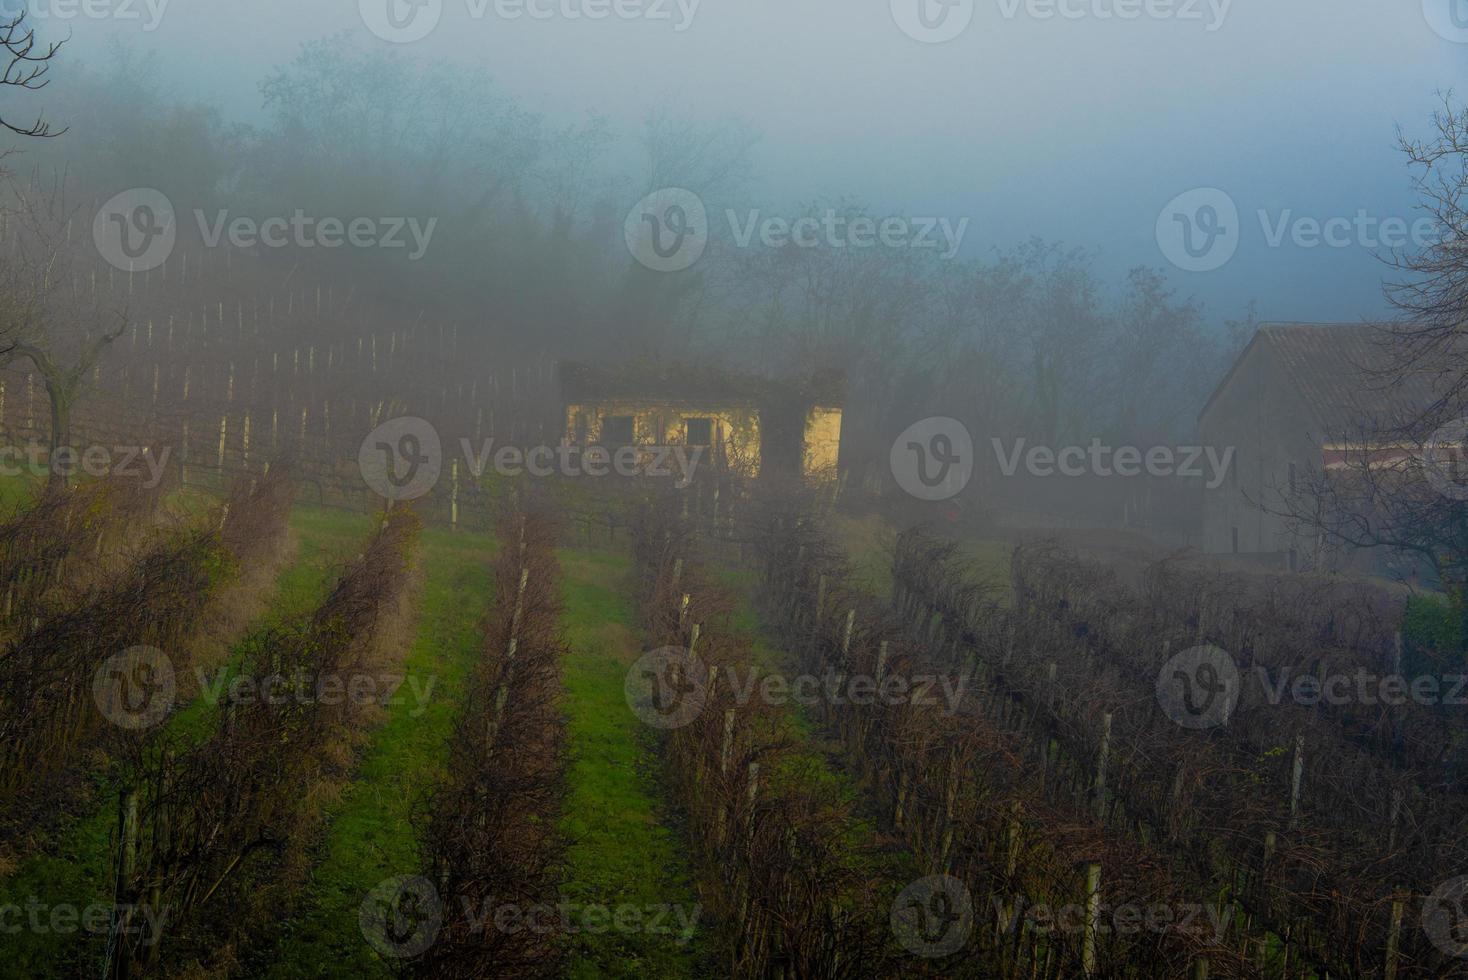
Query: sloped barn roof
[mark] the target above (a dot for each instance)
(1343, 373)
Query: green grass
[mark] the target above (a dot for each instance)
(816, 756)
(371, 834)
(77, 871)
(622, 851)
(868, 541)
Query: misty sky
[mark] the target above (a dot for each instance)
(1077, 128)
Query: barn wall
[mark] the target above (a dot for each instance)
(1260, 414)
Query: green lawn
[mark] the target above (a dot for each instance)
(623, 852)
(371, 834)
(76, 872)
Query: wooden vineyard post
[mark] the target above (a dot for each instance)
(454, 495)
(223, 429)
(753, 795)
(1393, 936)
(502, 695)
(123, 906)
(830, 707)
(726, 758)
(1296, 775)
(1093, 918)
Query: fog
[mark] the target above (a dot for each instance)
(1073, 128)
(822, 489)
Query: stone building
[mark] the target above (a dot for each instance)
(753, 425)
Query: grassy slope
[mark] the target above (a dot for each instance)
(621, 852)
(371, 833)
(76, 874)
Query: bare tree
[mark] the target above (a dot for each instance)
(63, 335)
(1399, 483)
(1431, 292)
(27, 60)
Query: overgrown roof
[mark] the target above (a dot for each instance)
(669, 381)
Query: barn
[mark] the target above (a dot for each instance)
(1296, 399)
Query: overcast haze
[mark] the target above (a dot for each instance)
(1074, 129)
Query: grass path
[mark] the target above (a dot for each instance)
(371, 831)
(622, 852)
(75, 874)
(817, 753)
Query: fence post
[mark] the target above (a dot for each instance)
(1093, 918)
(753, 794)
(1297, 774)
(454, 495)
(1101, 756)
